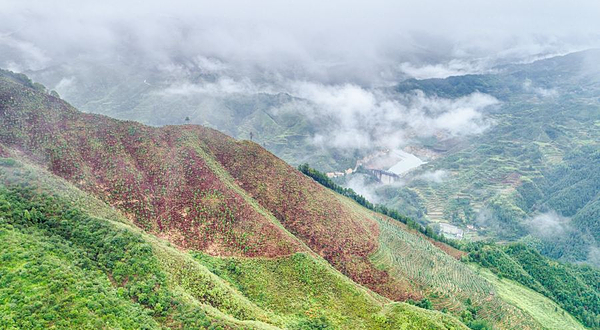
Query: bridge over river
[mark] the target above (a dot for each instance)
(383, 176)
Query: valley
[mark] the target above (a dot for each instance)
(482, 185)
(493, 185)
(299, 165)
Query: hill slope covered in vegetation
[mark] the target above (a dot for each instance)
(185, 227)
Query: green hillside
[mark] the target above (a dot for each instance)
(67, 266)
(546, 125)
(185, 227)
(541, 308)
(574, 287)
(141, 278)
(73, 269)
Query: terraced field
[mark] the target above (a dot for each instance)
(506, 174)
(542, 309)
(441, 278)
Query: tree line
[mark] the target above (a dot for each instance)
(324, 180)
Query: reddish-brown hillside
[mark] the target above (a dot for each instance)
(160, 178)
(314, 214)
(195, 186)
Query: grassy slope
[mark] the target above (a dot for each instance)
(575, 288)
(542, 309)
(277, 187)
(319, 294)
(93, 257)
(449, 284)
(183, 278)
(317, 286)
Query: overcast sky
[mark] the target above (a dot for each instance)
(361, 42)
(330, 55)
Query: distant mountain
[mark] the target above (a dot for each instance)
(161, 96)
(534, 174)
(109, 223)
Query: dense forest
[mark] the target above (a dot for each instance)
(573, 191)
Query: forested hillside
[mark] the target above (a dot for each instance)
(300, 165)
(576, 288)
(535, 168)
(74, 261)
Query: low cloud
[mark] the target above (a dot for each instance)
(455, 67)
(594, 255)
(221, 87)
(485, 218)
(437, 176)
(551, 228)
(22, 55)
(462, 120)
(356, 117)
(361, 184)
(549, 225)
(348, 116)
(66, 86)
(333, 42)
(529, 87)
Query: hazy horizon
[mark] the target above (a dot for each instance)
(368, 44)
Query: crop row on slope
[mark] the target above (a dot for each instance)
(448, 283)
(574, 288)
(541, 308)
(155, 176)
